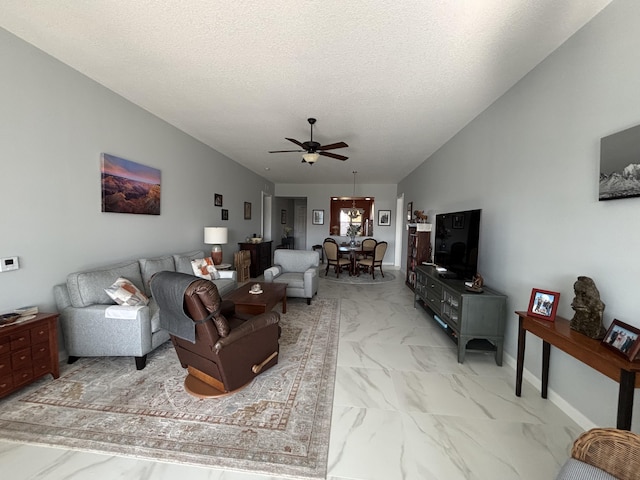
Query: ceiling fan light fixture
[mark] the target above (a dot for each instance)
(310, 157)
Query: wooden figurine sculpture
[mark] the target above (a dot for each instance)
(588, 309)
(420, 216)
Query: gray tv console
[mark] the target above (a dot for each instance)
(475, 321)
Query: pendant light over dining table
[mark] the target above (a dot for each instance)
(353, 211)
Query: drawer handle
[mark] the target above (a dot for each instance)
(23, 357)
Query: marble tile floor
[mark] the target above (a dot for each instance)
(403, 409)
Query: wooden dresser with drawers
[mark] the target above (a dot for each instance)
(28, 351)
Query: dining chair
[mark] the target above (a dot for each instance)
(370, 264)
(333, 258)
(368, 245)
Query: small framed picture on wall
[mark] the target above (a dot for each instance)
(225, 214)
(318, 217)
(283, 217)
(217, 199)
(409, 211)
(247, 210)
(384, 218)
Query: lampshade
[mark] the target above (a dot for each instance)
(215, 235)
(310, 157)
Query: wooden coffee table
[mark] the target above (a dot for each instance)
(246, 302)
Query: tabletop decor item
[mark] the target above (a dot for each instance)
(589, 309)
(543, 304)
(623, 339)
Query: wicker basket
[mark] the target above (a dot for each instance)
(615, 451)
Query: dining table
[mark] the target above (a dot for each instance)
(353, 252)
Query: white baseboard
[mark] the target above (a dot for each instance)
(552, 396)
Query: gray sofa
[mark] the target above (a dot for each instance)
(298, 269)
(93, 326)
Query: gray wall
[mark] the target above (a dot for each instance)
(319, 198)
(531, 162)
(54, 123)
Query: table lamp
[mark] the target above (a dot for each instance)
(216, 237)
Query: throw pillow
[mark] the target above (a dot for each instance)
(123, 292)
(204, 268)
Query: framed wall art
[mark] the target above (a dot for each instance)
(623, 339)
(217, 199)
(247, 210)
(543, 304)
(225, 214)
(620, 165)
(283, 217)
(129, 187)
(384, 218)
(317, 218)
(409, 211)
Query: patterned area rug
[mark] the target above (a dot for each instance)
(363, 279)
(278, 425)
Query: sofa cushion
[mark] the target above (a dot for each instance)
(88, 287)
(225, 285)
(150, 266)
(183, 261)
(123, 292)
(204, 268)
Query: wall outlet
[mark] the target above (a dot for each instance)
(9, 263)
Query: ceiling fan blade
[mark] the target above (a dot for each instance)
(333, 145)
(333, 155)
(295, 141)
(283, 151)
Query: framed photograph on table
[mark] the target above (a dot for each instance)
(384, 218)
(623, 339)
(543, 304)
(317, 218)
(247, 210)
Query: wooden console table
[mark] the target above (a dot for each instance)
(588, 351)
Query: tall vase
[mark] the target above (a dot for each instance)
(352, 243)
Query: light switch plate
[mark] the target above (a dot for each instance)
(9, 263)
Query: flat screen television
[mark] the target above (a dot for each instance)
(456, 243)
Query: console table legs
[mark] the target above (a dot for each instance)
(546, 351)
(520, 365)
(625, 399)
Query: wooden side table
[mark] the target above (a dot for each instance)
(28, 351)
(588, 351)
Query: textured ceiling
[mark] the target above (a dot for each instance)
(394, 80)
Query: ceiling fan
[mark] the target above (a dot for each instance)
(313, 149)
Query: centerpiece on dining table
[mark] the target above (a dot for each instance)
(352, 231)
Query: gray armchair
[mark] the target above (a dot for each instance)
(298, 269)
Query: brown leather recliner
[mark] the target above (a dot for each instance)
(230, 350)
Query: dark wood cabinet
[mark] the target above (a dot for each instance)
(260, 257)
(475, 321)
(28, 351)
(418, 251)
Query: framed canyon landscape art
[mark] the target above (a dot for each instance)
(129, 187)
